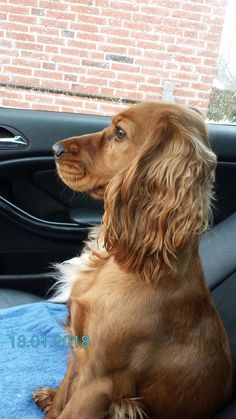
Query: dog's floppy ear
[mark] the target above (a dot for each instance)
(158, 207)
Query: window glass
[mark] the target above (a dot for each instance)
(97, 56)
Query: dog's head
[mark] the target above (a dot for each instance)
(87, 163)
(159, 167)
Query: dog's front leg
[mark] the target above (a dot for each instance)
(89, 401)
(64, 392)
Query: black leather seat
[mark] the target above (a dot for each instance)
(10, 298)
(218, 253)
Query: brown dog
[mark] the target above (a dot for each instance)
(158, 346)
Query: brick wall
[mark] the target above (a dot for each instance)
(133, 50)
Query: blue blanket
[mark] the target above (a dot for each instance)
(33, 353)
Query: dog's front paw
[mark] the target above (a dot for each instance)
(43, 397)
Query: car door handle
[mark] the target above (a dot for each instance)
(13, 142)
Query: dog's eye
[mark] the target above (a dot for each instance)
(120, 134)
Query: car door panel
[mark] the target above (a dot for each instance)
(37, 223)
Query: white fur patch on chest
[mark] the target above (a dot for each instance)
(68, 272)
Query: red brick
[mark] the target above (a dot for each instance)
(211, 37)
(57, 14)
(49, 40)
(12, 26)
(119, 84)
(206, 79)
(84, 27)
(179, 49)
(90, 81)
(5, 78)
(68, 68)
(136, 78)
(97, 55)
(107, 91)
(49, 66)
(29, 46)
(20, 36)
(54, 84)
(88, 36)
(119, 5)
(106, 73)
(121, 32)
(44, 74)
(3, 16)
(5, 59)
(100, 20)
(208, 53)
(34, 55)
(27, 71)
(211, 62)
(51, 23)
(150, 88)
(11, 103)
(149, 19)
(75, 45)
(45, 4)
(124, 94)
(22, 18)
(153, 80)
(190, 42)
(51, 49)
(10, 93)
(198, 103)
(192, 25)
(184, 93)
(87, 10)
(110, 109)
(90, 89)
(129, 68)
(151, 97)
(132, 24)
(179, 14)
(119, 15)
(167, 39)
(155, 10)
(198, 86)
(29, 2)
(154, 60)
(67, 109)
(24, 80)
(188, 59)
(194, 7)
(11, 8)
(42, 107)
(70, 77)
(43, 30)
(91, 106)
(115, 49)
(206, 70)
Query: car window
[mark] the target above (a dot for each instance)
(98, 56)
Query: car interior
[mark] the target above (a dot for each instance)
(43, 222)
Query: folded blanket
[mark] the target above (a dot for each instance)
(33, 353)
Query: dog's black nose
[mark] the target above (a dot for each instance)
(58, 150)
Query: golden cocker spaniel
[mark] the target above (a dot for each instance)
(158, 346)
